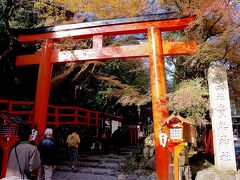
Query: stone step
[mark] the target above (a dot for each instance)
(99, 159)
(121, 152)
(91, 161)
(114, 166)
(81, 176)
(91, 170)
(107, 158)
(124, 149)
(96, 166)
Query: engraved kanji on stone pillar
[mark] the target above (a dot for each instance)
(224, 153)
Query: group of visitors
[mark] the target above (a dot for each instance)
(37, 162)
(105, 139)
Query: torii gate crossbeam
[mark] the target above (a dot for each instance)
(155, 49)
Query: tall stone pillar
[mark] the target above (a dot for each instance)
(224, 153)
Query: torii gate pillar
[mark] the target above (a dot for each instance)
(43, 86)
(158, 86)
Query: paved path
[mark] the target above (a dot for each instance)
(96, 167)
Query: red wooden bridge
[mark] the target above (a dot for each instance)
(58, 115)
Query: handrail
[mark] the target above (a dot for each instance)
(57, 115)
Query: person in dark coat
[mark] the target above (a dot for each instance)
(47, 151)
(106, 136)
(117, 139)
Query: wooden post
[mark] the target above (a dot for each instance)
(158, 86)
(177, 149)
(88, 118)
(10, 107)
(56, 117)
(6, 144)
(6, 151)
(76, 117)
(130, 130)
(43, 87)
(96, 113)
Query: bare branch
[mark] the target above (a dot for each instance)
(178, 6)
(209, 33)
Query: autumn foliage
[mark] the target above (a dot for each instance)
(58, 11)
(216, 30)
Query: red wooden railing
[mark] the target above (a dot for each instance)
(65, 115)
(57, 115)
(62, 115)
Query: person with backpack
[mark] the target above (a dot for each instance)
(73, 141)
(24, 160)
(47, 151)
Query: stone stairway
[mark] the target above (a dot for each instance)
(96, 166)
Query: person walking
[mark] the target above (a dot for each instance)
(73, 140)
(47, 151)
(117, 139)
(24, 160)
(106, 137)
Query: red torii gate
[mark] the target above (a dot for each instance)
(155, 49)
